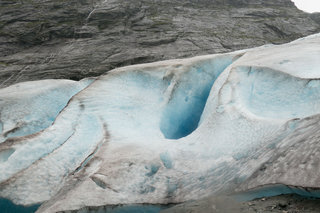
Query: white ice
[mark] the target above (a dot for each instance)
(30, 107)
(168, 131)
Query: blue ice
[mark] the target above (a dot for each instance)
(182, 114)
(273, 94)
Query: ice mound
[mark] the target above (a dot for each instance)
(30, 107)
(166, 132)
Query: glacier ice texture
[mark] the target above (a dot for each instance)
(166, 132)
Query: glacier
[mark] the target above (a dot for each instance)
(243, 123)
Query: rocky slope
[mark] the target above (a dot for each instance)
(41, 39)
(277, 204)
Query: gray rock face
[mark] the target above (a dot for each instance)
(80, 38)
(315, 17)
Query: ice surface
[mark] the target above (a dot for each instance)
(166, 132)
(268, 93)
(189, 96)
(294, 161)
(36, 105)
(5, 154)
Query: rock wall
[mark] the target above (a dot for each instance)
(41, 39)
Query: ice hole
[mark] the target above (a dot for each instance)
(182, 114)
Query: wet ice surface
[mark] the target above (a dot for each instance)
(166, 132)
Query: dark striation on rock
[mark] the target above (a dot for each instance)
(80, 38)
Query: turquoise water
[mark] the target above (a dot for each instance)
(275, 190)
(6, 206)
